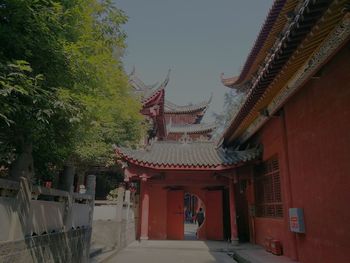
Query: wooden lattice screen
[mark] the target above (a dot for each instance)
(268, 189)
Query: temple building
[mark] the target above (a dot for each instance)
(168, 120)
(279, 175)
(297, 107)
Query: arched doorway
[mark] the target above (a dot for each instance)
(194, 216)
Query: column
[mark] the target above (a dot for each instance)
(234, 230)
(144, 208)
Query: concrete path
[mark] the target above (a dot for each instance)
(169, 251)
(190, 231)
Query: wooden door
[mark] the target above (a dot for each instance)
(214, 216)
(242, 217)
(175, 215)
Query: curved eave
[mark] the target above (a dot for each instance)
(274, 23)
(276, 73)
(156, 166)
(191, 132)
(270, 20)
(199, 108)
(228, 82)
(153, 99)
(207, 130)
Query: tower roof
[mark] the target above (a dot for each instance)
(147, 92)
(190, 108)
(192, 128)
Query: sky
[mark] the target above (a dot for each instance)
(197, 39)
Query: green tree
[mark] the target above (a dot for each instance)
(63, 92)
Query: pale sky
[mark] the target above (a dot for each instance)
(196, 39)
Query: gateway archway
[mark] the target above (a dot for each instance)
(209, 200)
(193, 222)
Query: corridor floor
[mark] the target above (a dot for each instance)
(168, 251)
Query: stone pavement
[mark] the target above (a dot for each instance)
(190, 231)
(189, 251)
(171, 251)
(249, 253)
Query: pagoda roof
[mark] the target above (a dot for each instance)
(274, 23)
(192, 128)
(187, 155)
(308, 39)
(190, 108)
(147, 92)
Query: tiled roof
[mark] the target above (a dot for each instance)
(146, 92)
(276, 63)
(173, 108)
(170, 155)
(191, 128)
(264, 33)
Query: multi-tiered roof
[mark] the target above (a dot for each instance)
(170, 121)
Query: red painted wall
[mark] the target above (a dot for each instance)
(213, 213)
(191, 182)
(316, 147)
(318, 131)
(175, 216)
(271, 136)
(157, 228)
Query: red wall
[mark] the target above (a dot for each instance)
(317, 147)
(271, 136)
(157, 224)
(318, 131)
(192, 182)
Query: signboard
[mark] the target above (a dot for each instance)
(296, 220)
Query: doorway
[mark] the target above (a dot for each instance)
(242, 211)
(194, 215)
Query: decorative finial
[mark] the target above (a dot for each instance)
(133, 70)
(185, 138)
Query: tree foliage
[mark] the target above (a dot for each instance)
(62, 85)
(232, 102)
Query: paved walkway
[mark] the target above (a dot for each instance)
(190, 231)
(169, 251)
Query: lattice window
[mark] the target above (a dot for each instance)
(268, 189)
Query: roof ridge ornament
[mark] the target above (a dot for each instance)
(166, 80)
(133, 71)
(185, 139)
(202, 139)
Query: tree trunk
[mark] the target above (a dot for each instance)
(23, 166)
(66, 180)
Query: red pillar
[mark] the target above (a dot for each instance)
(144, 209)
(234, 230)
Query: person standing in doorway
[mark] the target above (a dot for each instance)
(200, 217)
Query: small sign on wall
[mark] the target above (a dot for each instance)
(296, 220)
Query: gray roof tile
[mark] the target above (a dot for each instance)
(189, 154)
(191, 128)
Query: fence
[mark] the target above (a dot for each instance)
(115, 222)
(29, 214)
